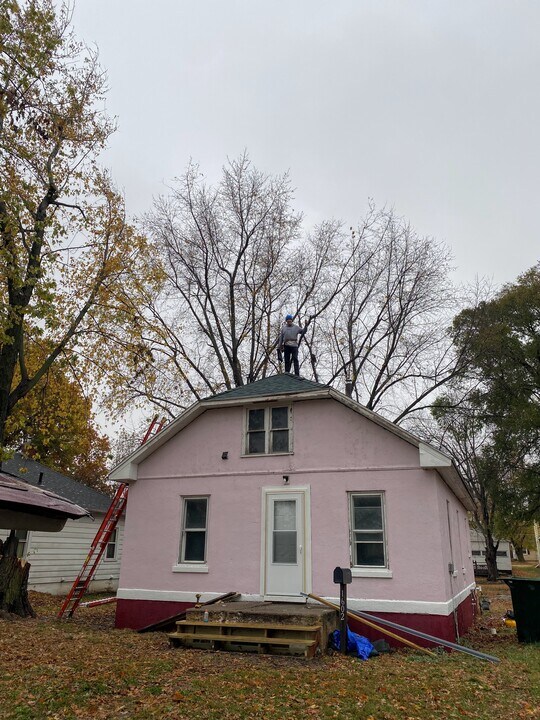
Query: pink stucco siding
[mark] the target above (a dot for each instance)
(336, 451)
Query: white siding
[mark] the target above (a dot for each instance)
(478, 549)
(56, 558)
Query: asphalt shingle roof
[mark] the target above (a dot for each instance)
(55, 482)
(282, 384)
(19, 496)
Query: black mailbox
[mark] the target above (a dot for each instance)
(342, 576)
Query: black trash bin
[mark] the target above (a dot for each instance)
(526, 601)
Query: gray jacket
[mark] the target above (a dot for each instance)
(289, 335)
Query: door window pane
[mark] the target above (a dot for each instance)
(284, 543)
(284, 547)
(284, 514)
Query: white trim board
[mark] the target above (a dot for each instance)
(408, 607)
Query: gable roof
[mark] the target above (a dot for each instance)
(294, 388)
(39, 475)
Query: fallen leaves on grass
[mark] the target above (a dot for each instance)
(83, 668)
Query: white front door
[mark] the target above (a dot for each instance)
(285, 551)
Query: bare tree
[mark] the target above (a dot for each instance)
(234, 264)
(386, 331)
(461, 432)
(377, 301)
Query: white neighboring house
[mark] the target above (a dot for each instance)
(478, 551)
(56, 557)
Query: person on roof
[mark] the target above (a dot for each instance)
(288, 342)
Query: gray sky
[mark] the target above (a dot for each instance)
(429, 106)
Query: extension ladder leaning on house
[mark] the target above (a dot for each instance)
(103, 535)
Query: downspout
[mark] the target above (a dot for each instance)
(451, 570)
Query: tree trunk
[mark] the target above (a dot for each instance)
(519, 553)
(8, 360)
(14, 586)
(491, 559)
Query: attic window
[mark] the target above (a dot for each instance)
(268, 430)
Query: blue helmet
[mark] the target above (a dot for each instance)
(288, 317)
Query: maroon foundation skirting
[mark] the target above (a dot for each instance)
(136, 614)
(440, 626)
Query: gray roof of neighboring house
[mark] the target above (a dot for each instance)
(30, 470)
(274, 385)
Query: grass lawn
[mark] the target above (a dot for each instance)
(83, 668)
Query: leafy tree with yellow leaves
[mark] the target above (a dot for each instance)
(54, 423)
(70, 264)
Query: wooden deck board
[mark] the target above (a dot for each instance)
(248, 639)
(251, 625)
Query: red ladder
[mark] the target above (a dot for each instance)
(103, 535)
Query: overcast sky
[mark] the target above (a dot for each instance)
(429, 106)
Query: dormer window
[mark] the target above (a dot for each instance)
(268, 430)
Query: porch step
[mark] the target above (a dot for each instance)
(273, 638)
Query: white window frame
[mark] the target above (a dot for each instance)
(378, 571)
(183, 565)
(267, 430)
(22, 545)
(113, 542)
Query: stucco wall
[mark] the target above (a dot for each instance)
(335, 451)
(454, 525)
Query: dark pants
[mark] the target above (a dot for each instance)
(291, 353)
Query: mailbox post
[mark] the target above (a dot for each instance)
(342, 577)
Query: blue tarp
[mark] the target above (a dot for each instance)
(356, 644)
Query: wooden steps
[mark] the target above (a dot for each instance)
(265, 637)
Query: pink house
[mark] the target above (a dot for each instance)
(266, 488)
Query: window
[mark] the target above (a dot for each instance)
(502, 553)
(194, 529)
(22, 537)
(110, 550)
(367, 531)
(477, 553)
(268, 430)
